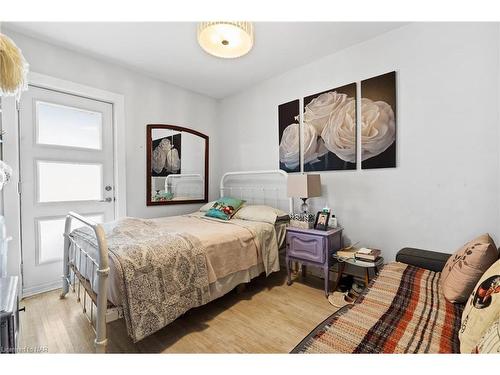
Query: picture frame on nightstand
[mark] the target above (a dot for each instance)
(321, 222)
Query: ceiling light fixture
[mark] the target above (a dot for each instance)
(226, 39)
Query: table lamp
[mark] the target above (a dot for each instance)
(304, 186)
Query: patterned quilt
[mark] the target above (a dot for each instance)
(162, 274)
(163, 267)
(403, 311)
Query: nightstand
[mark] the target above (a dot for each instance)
(312, 247)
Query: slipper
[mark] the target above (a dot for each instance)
(350, 298)
(337, 299)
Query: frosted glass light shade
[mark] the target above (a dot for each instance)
(226, 39)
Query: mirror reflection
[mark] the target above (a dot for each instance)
(177, 165)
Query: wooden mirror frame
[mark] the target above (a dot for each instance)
(149, 145)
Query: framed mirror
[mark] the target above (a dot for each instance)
(177, 165)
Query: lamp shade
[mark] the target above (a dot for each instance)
(304, 185)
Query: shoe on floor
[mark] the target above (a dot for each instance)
(339, 299)
(358, 288)
(350, 297)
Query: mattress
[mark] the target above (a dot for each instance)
(223, 280)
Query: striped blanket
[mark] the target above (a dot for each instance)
(403, 311)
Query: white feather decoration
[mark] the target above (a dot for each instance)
(13, 69)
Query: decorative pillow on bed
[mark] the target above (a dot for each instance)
(481, 309)
(490, 342)
(207, 206)
(266, 214)
(464, 268)
(225, 208)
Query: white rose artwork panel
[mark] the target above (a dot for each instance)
(378, 122)
(166, 155)
(289, 136)
(330, 130)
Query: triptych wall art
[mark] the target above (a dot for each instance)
(289, 136)
(378, 122)
(330, 126)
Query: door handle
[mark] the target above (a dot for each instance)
(107, 200)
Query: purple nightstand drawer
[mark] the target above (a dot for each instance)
(306, 247)
(312, 247)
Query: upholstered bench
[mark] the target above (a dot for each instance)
(425, 302)
(402, 311)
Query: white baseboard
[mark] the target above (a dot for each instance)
(47, 287)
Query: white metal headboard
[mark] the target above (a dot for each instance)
(250, 192)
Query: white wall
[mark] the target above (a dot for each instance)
(444, 190)
(147, 101)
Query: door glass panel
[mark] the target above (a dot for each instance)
(50, 240)
(68, 126)
(64, 182)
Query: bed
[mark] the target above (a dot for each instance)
(151, 271)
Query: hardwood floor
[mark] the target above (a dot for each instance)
(267, 317)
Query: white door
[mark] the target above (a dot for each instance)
(66, 164)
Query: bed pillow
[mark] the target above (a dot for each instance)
(207, 206)
(263, 213)
(225, 208)
(464, 268)
(481, 309)
(490, 342)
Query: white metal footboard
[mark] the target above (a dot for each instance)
(75, 270)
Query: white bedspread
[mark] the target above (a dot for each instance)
(266, 259)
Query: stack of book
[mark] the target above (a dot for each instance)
(347, 252)
(368, 255)
(363, 254)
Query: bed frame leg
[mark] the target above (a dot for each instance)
(241, 288)
(101, 307)
(67, 244)
(102, 271)
(100, 346)
(102, 295)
